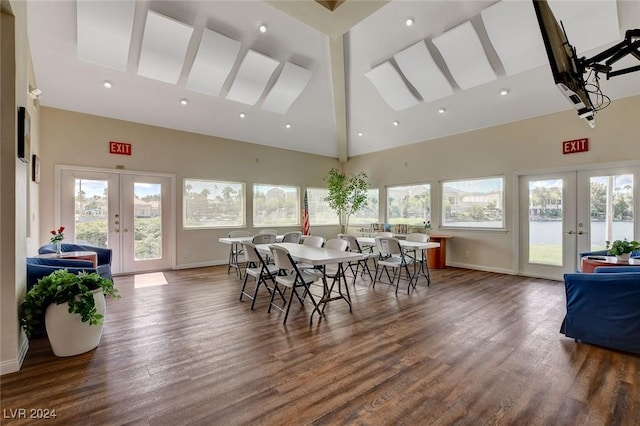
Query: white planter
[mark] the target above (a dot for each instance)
(67, 333)
(623, 257)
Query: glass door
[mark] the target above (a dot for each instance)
(131, 214)
(547, 225)
(565, 214)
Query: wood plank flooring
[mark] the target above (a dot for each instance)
(473, 348)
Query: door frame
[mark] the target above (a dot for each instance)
(573, 168)
(58, 168)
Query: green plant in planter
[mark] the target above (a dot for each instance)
(347, 194)
(619, 247)
(61, 286)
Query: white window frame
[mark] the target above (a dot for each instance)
(418, 221)
(211, 182)
(473, 185)
(297, 207)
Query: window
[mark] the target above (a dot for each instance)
(276, 205)
(319, 211)
(473, 203)
(213, 204)
(409, 204)
(371, 213)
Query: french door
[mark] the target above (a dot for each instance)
(564, 214)
(131, 213)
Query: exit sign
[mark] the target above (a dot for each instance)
(121, 148)
(577, 145)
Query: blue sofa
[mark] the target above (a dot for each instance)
(104, 255)
(603, 308)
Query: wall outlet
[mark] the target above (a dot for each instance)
(186, 253)
(467, 254)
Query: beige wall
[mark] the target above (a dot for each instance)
(528, 145)
(18, 221)
(71, 138)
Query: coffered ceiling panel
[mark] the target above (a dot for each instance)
(213, 63)
(164, 45)
(104, 32)
(463, 52)
(503, 21)
(418, 66)
(252, 78)
(391, 86)
(290, 84)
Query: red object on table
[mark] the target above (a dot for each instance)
(588, 265)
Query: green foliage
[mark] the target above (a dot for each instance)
(92, 232)
(619, 247)
(61, 286)
(347, 194)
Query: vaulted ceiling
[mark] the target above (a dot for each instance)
(334, 78)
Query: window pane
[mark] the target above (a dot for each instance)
(319, 211)
(147, 220)
(208, 204)
(91, 208)
(276, 205)
(371, 213)
(475, 203)
(409, 204)
(611, 215)
(545, 222)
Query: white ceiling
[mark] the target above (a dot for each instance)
(339, 99)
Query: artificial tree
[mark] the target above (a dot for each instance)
(347, 194)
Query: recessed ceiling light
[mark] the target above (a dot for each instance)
(504, 92)
(242, 115)
(442, 111)
(107, 84)
(360, 133)
(396, 123)
(184, 101)
(262, 28)
(288, 126)
(409, 22)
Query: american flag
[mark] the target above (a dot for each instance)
(305, 215)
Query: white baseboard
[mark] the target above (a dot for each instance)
(481, 268)
(13, 365)
(201, 264)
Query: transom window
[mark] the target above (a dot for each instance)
(473, 203)
(276, 205)
(213, 204)
(409, 204)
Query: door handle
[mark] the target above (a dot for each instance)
(582, 232)
(570, 232)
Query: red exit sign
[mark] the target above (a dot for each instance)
(121, 148)
(577, 145)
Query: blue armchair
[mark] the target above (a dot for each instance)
(602, 308)
(104, 255)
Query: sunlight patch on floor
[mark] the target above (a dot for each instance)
(149, 280)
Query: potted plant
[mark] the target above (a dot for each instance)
(347, 195)
(73, 306)
(622, 248)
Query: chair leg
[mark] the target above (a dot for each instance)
(244, 285)
(286, 315)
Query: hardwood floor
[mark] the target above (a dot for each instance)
(473, 348)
